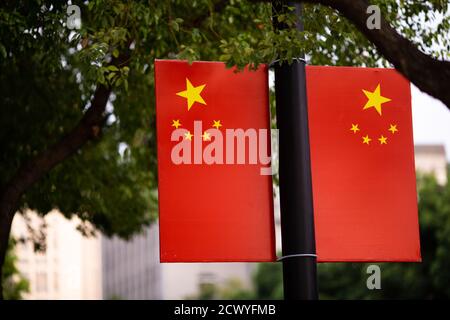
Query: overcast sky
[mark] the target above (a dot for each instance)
(431, 120)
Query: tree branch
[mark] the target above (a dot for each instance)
(428, 74)
(85, 130)
(217, 7)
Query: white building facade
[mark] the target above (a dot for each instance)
(431, 159)
(69, 268)
(131, 270)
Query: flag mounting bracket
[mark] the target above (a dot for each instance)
(272, 64)
(297, 255)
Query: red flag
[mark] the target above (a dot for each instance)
(212, 126)
(362, 156)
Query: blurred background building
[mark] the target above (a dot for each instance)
(131, 270)
(75, 267)
(69, 268)
(431, 159)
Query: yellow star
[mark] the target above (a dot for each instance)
(366, 139)
(188, 136)
(375, 99)
(217, 124)
(192, 94)
(393, 128)
(382, 139)
(354, 128)
(206, 136)
(176, 123)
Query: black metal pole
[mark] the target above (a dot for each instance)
(296, 202)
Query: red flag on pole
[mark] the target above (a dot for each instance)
(362, 158)
(215, 197)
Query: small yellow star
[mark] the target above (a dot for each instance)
(176, 123)
(206, 136)
(188, 136)
(375, 99)
(354, 128)
(382, 139)
(192, 94)
(366, 139)
(393, 128)
(217, 124)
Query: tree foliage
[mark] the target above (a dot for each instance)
(14, 284)
(49, 75)
(49, 72)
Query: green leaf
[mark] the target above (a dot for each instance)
(112, 68)
(174, 25)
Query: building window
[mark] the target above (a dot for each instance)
(55, 282)
(41, 282)
(207, 288)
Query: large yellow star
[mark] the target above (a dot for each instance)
(192, 94)
(375, 99)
